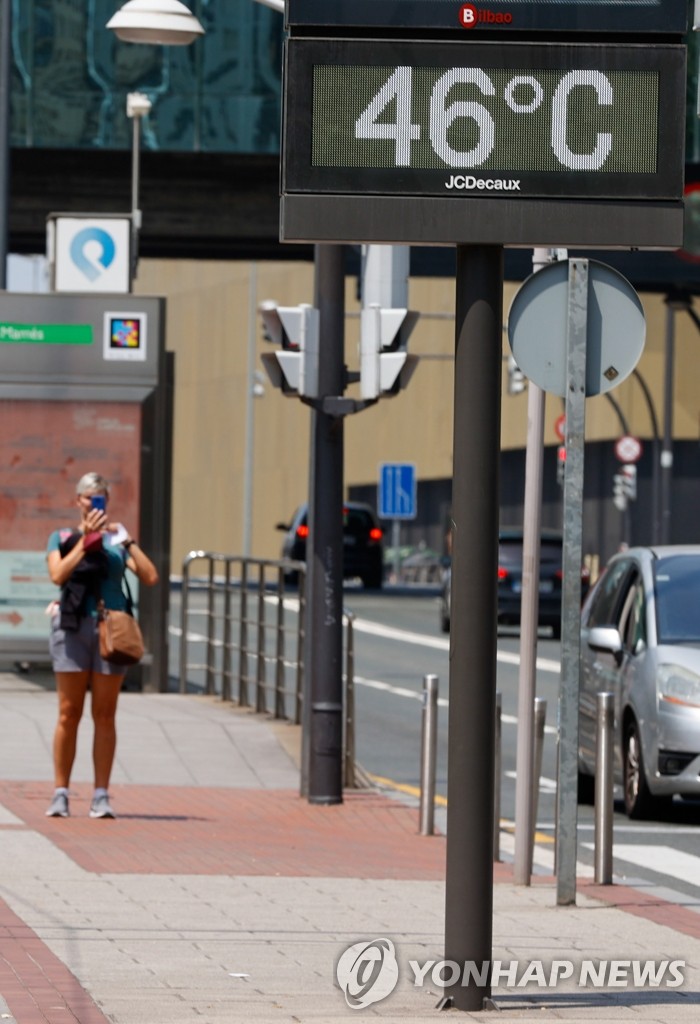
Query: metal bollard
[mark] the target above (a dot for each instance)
(540, 715)
(497, 782)
(428, 755)
(604, 789)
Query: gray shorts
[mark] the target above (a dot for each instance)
(79, 650)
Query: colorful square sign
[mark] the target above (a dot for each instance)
(125, 337)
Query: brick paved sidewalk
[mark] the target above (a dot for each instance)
(196, 830)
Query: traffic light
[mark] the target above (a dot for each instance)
(294, 368)
(385, 365)
(517, 381)
(561, 464)
(619, 495)
(628, 471)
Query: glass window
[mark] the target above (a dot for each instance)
(70, 78)
(633, 619)
(677, 592)
(606, 602)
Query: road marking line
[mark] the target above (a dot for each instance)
(443, 702)
(663, 860)
(546, 785)
(407, 637)
(402, 787)
(440, 643)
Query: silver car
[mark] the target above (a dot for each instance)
(640, 640)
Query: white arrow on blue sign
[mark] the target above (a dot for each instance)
(397, 490)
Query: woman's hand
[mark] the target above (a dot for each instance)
(95, 521)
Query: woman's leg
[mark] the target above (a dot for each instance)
(71, 687)
(104, 694)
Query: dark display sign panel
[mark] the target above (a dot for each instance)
(368, 117)
(669, 17)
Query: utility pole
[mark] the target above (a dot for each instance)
(473, 638)
(324, 574)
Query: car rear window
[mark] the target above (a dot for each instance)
(510, 551)
(357, 522)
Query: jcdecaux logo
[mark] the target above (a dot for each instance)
(471, 16)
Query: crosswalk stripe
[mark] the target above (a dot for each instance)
(664, 860)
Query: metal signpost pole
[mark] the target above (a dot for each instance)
(324, 580)
(529, 609)
(567, 767)
(472, 713)
(667, 447)
(5, 77)
(528, 621)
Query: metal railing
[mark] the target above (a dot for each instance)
(252, 632)
(253, 636)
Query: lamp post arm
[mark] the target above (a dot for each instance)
(620, 415)
(650, 404)
(693, 315)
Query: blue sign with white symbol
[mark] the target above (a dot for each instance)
(92, 264)
(397, 490)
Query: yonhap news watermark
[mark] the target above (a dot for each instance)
(369, 971)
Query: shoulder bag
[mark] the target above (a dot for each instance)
(121, 640)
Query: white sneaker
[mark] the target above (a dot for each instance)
(100, 808)
(58, 808)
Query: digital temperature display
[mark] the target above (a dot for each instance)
(441, 119)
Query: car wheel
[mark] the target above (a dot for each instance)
(586, 788)
(638, 800)
(556, 631)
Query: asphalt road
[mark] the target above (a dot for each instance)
(397, 642)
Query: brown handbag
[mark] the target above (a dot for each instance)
(121, 640)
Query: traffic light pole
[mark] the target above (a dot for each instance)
(323, 714)
(472, 713)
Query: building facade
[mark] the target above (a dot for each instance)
(209, 245)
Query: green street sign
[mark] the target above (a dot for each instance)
(46, 334)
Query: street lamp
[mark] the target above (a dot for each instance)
(138, 106)
(167, 22)
(276, 5)
(154, 22)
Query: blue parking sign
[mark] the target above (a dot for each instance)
(397, 490)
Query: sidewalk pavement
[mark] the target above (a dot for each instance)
(218, 894)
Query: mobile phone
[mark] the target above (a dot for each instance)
(99, 501)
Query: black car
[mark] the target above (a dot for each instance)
(510, 580)
(363, 549)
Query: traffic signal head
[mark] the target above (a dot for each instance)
(628, 472)
(295, 329)
(619, 493)
(385, 365)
